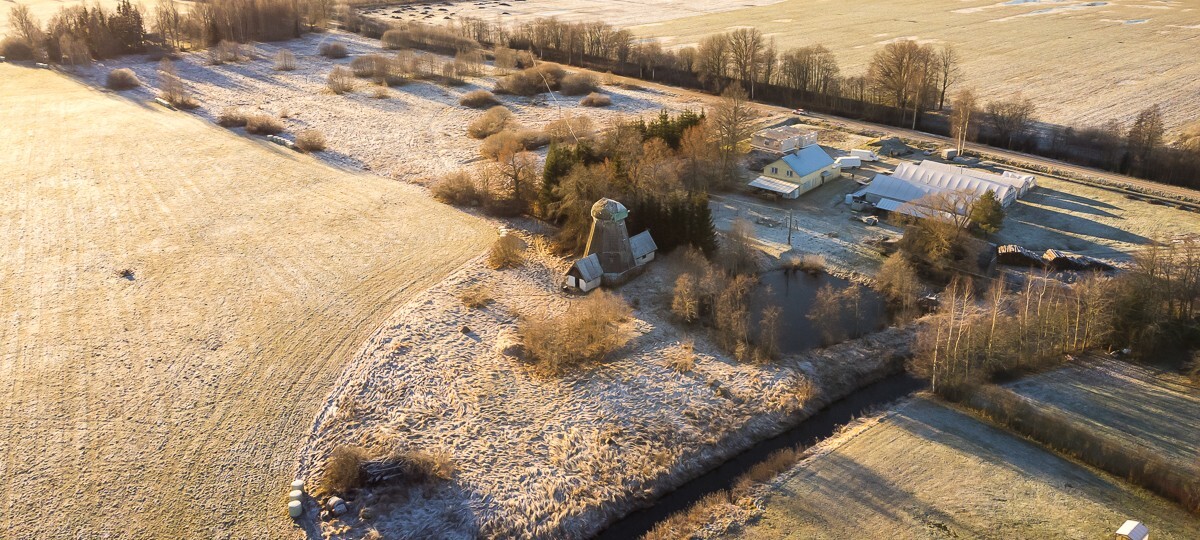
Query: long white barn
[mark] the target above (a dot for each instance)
(952, 181)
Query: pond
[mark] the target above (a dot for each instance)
(796, 295)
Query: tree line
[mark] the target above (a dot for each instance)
(906, 84)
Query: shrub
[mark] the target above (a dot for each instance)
(408, 466)
(588, 331)
(263, 124)
(458, 189)
(1192, 369)
(532, 81)
(393, 39)
(15, 50)
(343, 469)
(595, 99)
(225, 51)
(578, 84)
(285, 61)
(332, 49)
(379, 91)
(172, 89)
(571, 129)
(682, 358)
(231, 117)
(478, 99)
(508, 251)
(122, 79)
(476, 296)
(493, 121)
(525, 139)
(809, 262)
(371, 66)
(310, 140)
(341, 80)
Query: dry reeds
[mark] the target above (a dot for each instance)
(588, 331)
(495, 120)
(478, 99)
(595, 99)
(508, 251)
(263, 124)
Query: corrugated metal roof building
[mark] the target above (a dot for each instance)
(948, 181)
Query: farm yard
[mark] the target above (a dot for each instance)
(179, 300)
(925, 470)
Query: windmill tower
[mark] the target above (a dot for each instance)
(609, 239)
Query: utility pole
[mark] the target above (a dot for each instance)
(789, 229)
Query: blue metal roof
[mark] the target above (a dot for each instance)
(808, 160)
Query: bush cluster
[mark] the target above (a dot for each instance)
(310, 140)
(122, 79)
(231, 117)
(332, 49)
(263, 124)
(478, 99)
(595, 99)
(578, 84)
(586, 332)
(522, 139)
(495, 120)
(459, 189)
(533, 81)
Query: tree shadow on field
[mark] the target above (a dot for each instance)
(995, 447)
(859, 490)
(1072, 203)
(1056, 225)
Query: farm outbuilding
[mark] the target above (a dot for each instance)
(784, 139)
(1022, 183)
(950, 181)
(798, 173)
(1133, 530)
(585, 274)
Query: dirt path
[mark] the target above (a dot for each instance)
(172, 403)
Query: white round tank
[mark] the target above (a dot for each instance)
(296, 495)
(298, 485)
(295, 509)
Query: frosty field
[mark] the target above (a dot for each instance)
(178, 302)
(1083, 62)
(1049, 50)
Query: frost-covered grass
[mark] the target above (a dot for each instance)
(417, 134)
(558, 456)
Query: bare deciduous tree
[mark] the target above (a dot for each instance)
(948, 71)
(1010, 117)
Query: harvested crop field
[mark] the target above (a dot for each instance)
(179, 300)
(1045, 49)
(619, 12)
(925, 470)
(1141, 406)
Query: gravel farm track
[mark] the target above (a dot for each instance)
(178, 302)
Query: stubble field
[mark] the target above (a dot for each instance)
(925, 470)
(178, 301)
(1083, 62)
